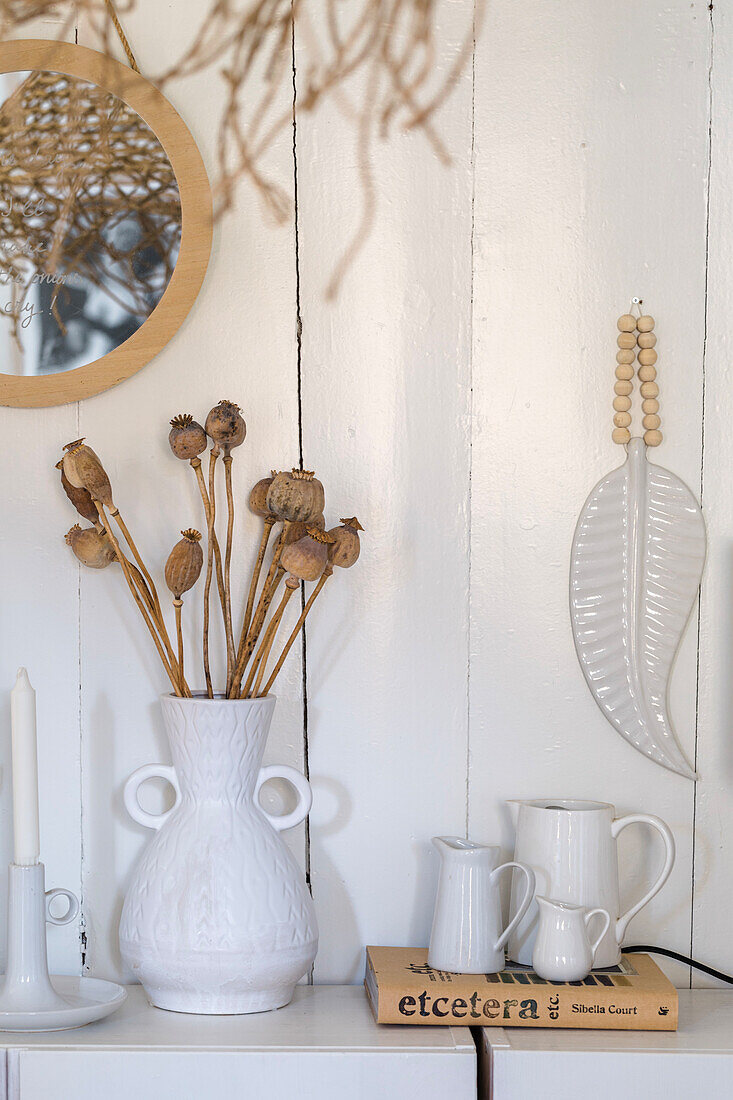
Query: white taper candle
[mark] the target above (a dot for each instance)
(25, 771)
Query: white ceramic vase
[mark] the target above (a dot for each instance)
(218, 918)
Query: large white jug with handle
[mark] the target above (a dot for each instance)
(571, 847)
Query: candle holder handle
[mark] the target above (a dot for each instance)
(70, 913)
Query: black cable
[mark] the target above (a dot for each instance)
(680, 958)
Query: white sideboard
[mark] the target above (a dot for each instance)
(324, 1046)
(696, 1060)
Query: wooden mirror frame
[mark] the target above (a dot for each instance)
(196, 222)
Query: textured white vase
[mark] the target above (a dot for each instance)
(218, 918)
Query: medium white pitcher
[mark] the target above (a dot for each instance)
(571, 847)
(467, 936)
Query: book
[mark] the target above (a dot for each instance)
(403, 989)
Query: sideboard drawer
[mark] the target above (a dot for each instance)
(694, 1061)
(325, 1045)
(177, 1075)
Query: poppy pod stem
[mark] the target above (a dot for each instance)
(328, 571)
(249, 640)
(138, 598)
(157, 609)
(228, 570)
(209, 566)
(268, 591)
(269, 523)
(142, 587)
(258, 665)
(201, 480)
(292, 584)
(178, 605)
(271, 582)
(135, 553)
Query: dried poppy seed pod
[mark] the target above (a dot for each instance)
(91, 547)
(299, 529)
(297, 495)
(294, 532)
(258, 497)
(84, 471)
(344, 550)
(308, 557)
(226, 426)
(184, 564)
(80, 498)
(187, 438)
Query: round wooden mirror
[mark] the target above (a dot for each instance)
(105, 222)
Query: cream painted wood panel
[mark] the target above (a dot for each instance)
(460, 385)
(39, 627)
(714, 816)
(591, 160)
(238, 343)
(385, 424)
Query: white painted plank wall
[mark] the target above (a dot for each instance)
(591, 160)
(714, 817)
(385, 422)
(39, 627)
(239, 343)
(460, 385)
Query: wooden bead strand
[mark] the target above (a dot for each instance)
(647, 374)
(624, 385)
(636, 340)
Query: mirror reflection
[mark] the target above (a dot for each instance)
(90, 222)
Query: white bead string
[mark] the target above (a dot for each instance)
(636, 340)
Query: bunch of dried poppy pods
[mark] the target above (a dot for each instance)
(302, 551)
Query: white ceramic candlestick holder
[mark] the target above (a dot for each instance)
(31, 1000)
(27, 985)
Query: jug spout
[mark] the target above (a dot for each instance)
(456, 847)
(550, 905)
(547, 905)
(515, 804)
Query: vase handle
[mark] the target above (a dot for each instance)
(302, 786)
(129, 794)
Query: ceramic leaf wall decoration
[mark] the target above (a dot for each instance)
(636, 565)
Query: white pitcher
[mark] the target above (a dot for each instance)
(571, 847)
(467, 936)
(563, 951)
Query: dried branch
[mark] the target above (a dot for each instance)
(383, 52)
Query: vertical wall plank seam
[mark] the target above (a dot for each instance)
(296, 227)
(711, 58)
(469, 632)
(82, 921)
(299, 366)
(80, 716)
